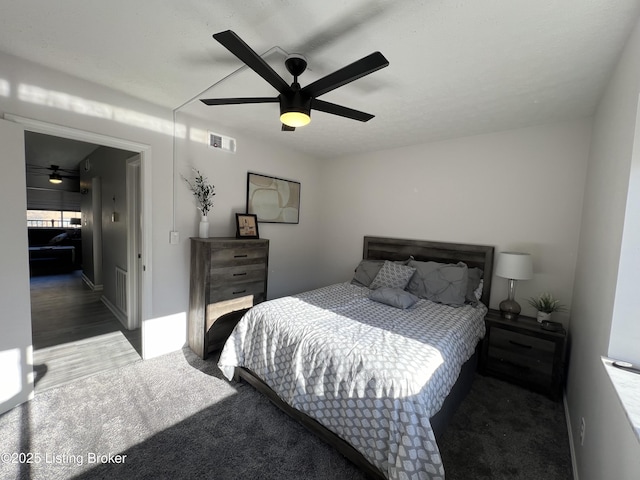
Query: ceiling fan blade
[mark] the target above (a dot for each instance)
(347, 112)
(354, 71)
(237, 101)
(240, 49)
(38, 167)
(51, 168)
(48, 174)
(287, 128)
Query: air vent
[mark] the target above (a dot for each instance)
(226, 144)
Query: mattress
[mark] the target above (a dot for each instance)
(371, 373)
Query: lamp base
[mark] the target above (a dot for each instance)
(510, 309)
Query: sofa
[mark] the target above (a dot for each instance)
(54, 250)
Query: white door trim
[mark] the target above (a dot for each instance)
(134, 243)
(144, 150)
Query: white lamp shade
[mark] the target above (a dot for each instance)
(514, 265)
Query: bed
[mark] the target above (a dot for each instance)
(377, 379)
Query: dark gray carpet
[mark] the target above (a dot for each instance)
(502, 431)
(176, 417)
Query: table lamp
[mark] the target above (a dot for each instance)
(513, 266)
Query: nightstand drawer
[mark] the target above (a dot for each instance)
(521, 354)
(522, 345)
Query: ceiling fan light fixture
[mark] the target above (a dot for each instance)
(295, 111)
(55, 178)
(295, 119)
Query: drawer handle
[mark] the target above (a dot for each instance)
(241, 256)
(240, 291)
(239, 274)
(518, 344)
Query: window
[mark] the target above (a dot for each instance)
(51, 218)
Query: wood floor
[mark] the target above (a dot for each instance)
(74, 334)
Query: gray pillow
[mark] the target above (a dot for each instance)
(366, 271)
(475, 276)
(440, 282)
(394, 297)
(394, 275)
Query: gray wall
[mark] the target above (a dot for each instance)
(610, 448)
(16, 360)
(516, 190)
(108, 167)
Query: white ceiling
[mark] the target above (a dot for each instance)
(457, 68)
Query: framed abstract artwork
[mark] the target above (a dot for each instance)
(272, 199)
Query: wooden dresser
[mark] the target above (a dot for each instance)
(228, 276)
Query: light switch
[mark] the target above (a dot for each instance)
(174, 238)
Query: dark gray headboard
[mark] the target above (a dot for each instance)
(383, 248)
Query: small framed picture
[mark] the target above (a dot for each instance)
(246, 225)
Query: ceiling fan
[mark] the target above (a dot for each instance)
(295, 101)
(57, 173)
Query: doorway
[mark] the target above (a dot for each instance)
(71, 297)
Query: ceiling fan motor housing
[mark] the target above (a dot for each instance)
(296, 64)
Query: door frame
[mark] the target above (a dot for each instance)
(135, 233)
(145, 286)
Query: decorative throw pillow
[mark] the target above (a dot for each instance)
(394, 275)
(394, 297)
(366, 271)
(58, 239)
(440, 282)
(475, 277)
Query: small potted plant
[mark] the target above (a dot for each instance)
(545, 304)
(203, 191)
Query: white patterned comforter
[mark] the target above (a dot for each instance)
(371, 373)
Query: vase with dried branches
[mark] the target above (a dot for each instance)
(203, 192)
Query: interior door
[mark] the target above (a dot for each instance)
(16, 350)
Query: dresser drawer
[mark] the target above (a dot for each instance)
(222, 276)
(237, 255)
(257, 289)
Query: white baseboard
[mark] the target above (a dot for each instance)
(574, 463)
(122, 318)
(89, 283)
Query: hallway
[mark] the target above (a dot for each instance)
(74, 334)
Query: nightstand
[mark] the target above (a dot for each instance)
(521, 352)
